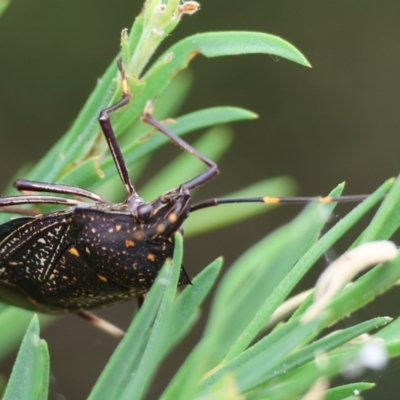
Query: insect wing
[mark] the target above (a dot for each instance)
(30, 249)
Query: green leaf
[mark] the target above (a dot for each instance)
(30, 375)
(16, 320)
(153, 351)
(250, 281)
(325, 344)
(118, 373)
(345, 391)
(186, 307)
(387, 219)
(334, 234)
(3, 6)
(391, 332)
(213, 44)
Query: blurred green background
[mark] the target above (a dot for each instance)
(338, 121)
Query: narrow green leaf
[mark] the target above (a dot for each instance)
(387, 219)
(393, 348)
(3, 6)
(251, 373)
(213, 44)
(216, 44)
(29, 377)
(326, 344)
(16, 320)
(291, 362)
(184, 315)
(391, 332)
(335, 233)
(294, 384)
(154, 348)
(186, 306)
(45, 361)
(345, 391)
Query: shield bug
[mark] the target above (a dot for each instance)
(97, 253)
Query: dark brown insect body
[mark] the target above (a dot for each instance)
(88, 256)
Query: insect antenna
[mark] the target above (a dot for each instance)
(278, 200)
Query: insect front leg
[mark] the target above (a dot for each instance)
(109, 134)
(204, 177)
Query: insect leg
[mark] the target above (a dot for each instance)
(102, 324)
(108, 131)
(15, 200)
(207, 175)
(24, 184)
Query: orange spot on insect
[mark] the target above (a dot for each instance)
(111, 230)
(118, 227)
(129, 243)
(102, 278)
(151, 257)
(271, 200)
(73, 251)
(172, 218)
(325, 199)
(160, 228)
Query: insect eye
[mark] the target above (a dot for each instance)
(144, 212)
